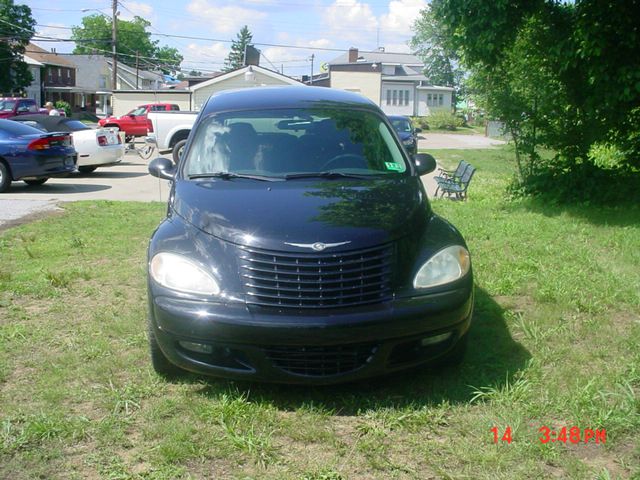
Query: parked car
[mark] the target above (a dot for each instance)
(96, 147)
(28, 154)
(300, 246)
(12, 106)
(134, 123)
(170, 131)
(406, 131)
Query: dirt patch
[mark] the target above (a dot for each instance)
(32, 217)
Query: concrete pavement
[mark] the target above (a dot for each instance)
(130, 180)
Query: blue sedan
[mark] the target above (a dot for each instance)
(32, 156)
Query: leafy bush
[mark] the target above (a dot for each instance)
(444, 120)
(420, 122)
(62, 105)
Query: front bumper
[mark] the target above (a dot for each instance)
(316, 347)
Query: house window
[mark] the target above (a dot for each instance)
(68, 73)
(395, 97)
(59, 72)
(429, 99)
(406, 97)
(50, 74)
(440, 99)
(103, 81)
(388, 97)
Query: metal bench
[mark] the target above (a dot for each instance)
(457, 188)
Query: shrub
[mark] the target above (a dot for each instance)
(420, 122)
(62, 105)
(444, 120)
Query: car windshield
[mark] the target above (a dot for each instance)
(401, 125)
(7, 105)
(75, 125)
(138, 111)
(294, 143)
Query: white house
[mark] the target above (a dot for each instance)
(394, 81)
(249, 76)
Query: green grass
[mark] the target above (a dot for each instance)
(554, 342)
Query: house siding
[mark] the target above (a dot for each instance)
(125, 101)
(33, 90)
(425, 107)
(364, 83)
(398, 98)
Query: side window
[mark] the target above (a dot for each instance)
(175, 107)
(388, 97)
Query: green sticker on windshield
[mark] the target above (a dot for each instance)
(393, 166)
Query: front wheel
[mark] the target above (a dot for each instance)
(5, 178)
(161, 364)
(178, 148)
(35, 183)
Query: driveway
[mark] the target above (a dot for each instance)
(130, 180)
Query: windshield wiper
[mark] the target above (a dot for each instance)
(230, 175)
(328, 174)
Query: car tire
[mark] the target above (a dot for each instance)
(87, 169)
(129, 138)
(177, 150)
(161, 364)
(35, 183)
(5, 177)
(455, 356)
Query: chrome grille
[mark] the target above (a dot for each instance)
(320, 361)
(316, 280)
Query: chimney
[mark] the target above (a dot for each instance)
(381, 49)
(353, 55)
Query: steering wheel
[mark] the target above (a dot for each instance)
(345, 160)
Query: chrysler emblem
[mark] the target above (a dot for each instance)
(318, 246)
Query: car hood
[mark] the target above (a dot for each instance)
(272, 215)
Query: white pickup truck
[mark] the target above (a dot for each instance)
(170, 131)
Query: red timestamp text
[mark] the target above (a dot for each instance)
(564, 435)
(572, 435)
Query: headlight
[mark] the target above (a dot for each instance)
(446, 266)
(179, 273)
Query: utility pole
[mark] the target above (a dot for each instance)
(137, 67)
(114, 37)
(311, 77)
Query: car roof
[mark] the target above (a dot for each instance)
(259, 98)
(398, 117)
(51, 123)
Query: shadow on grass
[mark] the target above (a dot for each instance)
(492, 359)
(622, 215)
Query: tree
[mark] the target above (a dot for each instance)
(16, 29)
(94, 35)
(235, 59)
(561, 75)
(442, 65)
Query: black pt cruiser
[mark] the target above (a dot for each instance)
(300, 247)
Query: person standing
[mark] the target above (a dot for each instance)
(51, 109)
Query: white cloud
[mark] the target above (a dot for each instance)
(227, 19)
(397, 48)
(402, 14)
(139, 9)
(350, 20)
(320, 43)
(205, 57)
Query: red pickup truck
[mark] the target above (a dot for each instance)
(12, 106)
(134, 123)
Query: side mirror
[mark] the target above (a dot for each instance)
(162, 168)
(417, 130)
(424, 163)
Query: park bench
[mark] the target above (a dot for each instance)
(445, 175)
(456, 187)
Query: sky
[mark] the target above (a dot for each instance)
(313, 26)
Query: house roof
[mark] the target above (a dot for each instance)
(45, 57)
(241, 71)
(145, 74)
(386, 58)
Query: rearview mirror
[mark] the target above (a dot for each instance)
(162, 168)
(417, 130)
(424, 163)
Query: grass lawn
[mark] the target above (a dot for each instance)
(554, 343)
